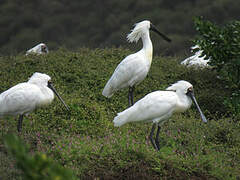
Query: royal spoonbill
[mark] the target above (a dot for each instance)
(38, 49)
(196, 60)
(23, 98)
(134, 68)
(158, 106)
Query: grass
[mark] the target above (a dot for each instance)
(85, 140)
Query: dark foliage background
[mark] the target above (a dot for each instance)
(74, 24)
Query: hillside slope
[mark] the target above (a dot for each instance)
(85, 139)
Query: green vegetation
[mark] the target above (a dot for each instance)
(222, 45)
(37, 167)
(74, 24)
(85, 141)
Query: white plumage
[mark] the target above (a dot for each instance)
(158, 106)
(131, 71)
(135, 67)
(25, 97)
(38, 49)
(196, 60)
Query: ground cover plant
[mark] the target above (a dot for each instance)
(84, 139)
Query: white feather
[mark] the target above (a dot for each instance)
(38, 49)
(138, 31)
(132, 70)
(135, 67)
(157, 106)
(196, 60)
(25, 97)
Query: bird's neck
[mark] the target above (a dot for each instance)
(147, 46)
(47, 97)
(184, 102)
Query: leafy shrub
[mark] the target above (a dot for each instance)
(222, 45)
(35, 167)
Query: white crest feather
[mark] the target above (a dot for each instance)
(180, 85)
(39, 78)
(138, 31)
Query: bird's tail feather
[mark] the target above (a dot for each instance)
(119, 120)
(123, 117)
(108, 90)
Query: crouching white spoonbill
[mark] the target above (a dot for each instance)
(158, 106)
(23, 98)
(38, 49)
(197, 60)
(134, 68)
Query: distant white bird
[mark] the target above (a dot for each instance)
(196, 60)
(158, 106)
(38, 49)
(23, 98)
(134, 68)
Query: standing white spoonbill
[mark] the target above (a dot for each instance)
(23, 98)
(38, 49)
(158, 106)
(134, 68)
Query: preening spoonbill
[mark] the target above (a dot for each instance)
(196, 60)
(38, 49)
(158, 106)
(134, 68)
(23, 98)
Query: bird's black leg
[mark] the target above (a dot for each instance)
(129, 96)
(157, 139)
(151, 137)
(132, 96)
(19, 127)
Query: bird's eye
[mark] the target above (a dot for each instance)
(190, 89)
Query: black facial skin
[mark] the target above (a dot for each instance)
(44, 49)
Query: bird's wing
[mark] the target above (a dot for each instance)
(32, 50)
(188, 60)
(35, 49)
(198, 61)
(132, 70)
(19, 99)
(158, 105)
(128, 70)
